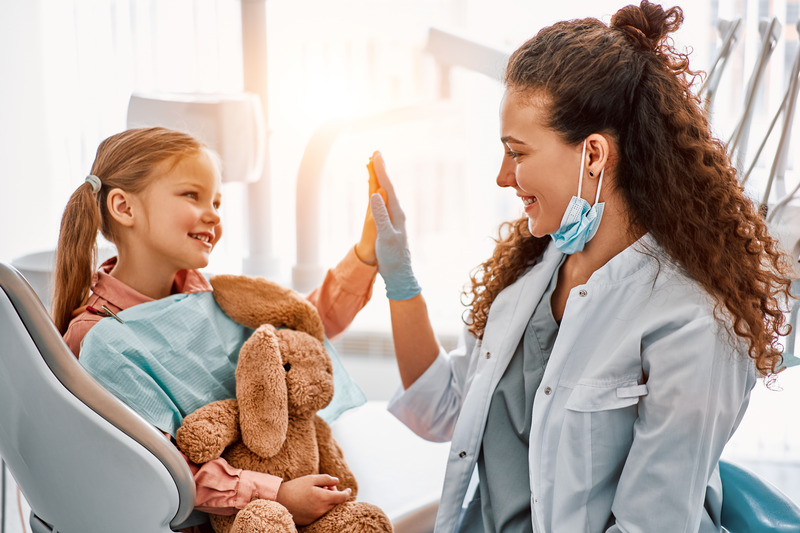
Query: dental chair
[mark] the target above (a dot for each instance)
(84, 461)
(751, 505)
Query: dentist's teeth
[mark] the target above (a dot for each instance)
(204, 238)
(528, 200)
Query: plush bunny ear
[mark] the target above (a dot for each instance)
(253, 301)
(262, 394)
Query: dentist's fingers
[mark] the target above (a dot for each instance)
(380, 214)
(393, 204)
(379, 165)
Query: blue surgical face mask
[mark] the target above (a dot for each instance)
(580, 222)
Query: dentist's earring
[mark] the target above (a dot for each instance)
(591, 173)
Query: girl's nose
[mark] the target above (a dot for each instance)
(211, 216)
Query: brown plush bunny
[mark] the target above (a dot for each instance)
(284, 376)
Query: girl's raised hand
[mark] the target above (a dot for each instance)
(365, 249)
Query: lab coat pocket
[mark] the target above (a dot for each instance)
(597, 433)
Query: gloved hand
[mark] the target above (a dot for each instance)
(391, 247)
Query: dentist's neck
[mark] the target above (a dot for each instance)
(613, 236)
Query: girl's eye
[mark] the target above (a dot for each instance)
(192, 195)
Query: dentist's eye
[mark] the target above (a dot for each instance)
(512, 155)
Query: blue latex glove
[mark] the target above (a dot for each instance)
(391, 246)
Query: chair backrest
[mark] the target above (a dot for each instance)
(84, 461)
(751, 504)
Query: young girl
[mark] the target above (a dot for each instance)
(156, 193)
(617, 330)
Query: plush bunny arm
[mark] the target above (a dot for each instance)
(331, 458)
(206, 432)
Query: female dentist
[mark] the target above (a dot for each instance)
(618, 328)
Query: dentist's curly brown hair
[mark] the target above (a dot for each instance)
(626, 80)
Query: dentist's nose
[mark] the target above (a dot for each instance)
(507, 177)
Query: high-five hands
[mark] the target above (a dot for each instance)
(365, 249)
(391, 246)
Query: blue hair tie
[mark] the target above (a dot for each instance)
(95, 183)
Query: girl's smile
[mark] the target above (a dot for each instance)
(173, 224)
(206, 238)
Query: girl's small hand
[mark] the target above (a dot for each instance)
(310, 497)
(365, 249)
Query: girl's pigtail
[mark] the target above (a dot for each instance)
(76, 254)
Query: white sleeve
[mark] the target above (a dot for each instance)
(430, 406)
(698, 388)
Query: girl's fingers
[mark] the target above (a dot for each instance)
(380, 172)
(373, 178)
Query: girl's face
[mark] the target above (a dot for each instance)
(181, 213)
(541, 168)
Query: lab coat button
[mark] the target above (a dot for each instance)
(488, 355)
(462, 454)
(548, 390)
(582, 293)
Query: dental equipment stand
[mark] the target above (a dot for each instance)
(780, 162)
(770, 31)
(729, 31)
(3, 498)
(261, 260)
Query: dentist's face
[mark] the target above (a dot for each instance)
(538, 165)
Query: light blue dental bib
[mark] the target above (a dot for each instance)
(174, 355)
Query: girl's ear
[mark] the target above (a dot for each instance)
(598, 150)
(120, 206)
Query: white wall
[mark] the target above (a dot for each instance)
(28, 205)
(66, 77)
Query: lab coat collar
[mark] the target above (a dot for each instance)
(640, 258)
(514, 305)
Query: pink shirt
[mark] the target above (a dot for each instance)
(221, 488)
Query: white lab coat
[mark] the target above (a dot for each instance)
(640, 395)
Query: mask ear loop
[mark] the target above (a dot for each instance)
(580, 170)
(599, 186)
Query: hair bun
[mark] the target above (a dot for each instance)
(647, 25)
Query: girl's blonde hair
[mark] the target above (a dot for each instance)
(126, 161)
